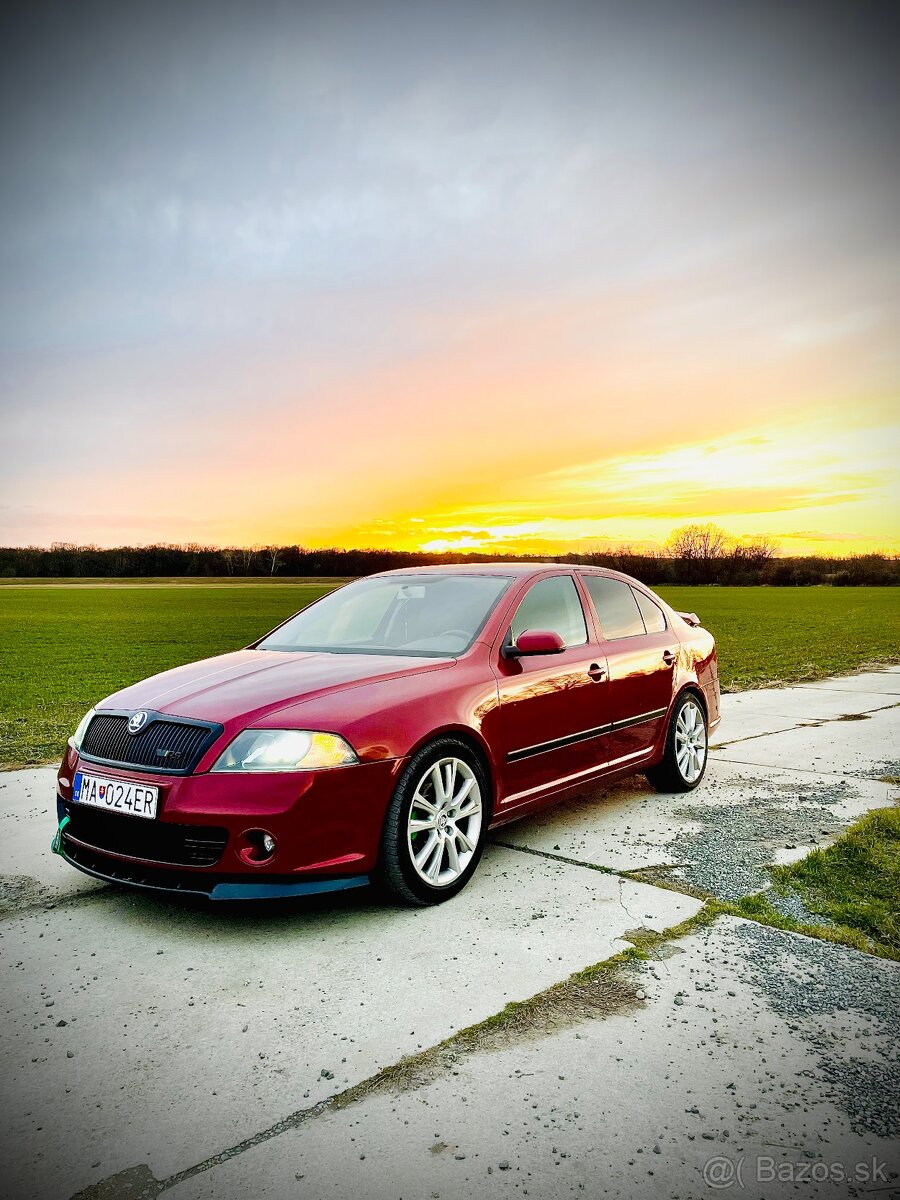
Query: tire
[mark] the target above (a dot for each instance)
(687, 748)
(432, 840)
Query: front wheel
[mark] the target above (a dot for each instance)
(684, 761)
(436, 825)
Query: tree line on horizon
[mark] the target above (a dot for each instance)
(694, 554)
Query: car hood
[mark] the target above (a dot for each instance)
(254, 683)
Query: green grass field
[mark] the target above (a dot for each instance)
(853, 883)
(64, 647)
(788, 635)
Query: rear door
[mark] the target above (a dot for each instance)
(551, 706)
(642, 653)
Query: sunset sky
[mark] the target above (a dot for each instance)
(526, 276)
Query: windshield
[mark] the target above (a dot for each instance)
(433, 615)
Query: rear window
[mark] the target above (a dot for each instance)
(616, 607)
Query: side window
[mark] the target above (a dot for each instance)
(552, 604)
(654, 617)
(616, 607)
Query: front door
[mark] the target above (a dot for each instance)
(552, 707)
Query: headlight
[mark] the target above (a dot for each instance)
(78, 736)
(284, 750)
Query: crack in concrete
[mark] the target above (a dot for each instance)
(139, 1183)
(621, 876)
(746, 762)
(563, 858)
(624, 906)
(639, 925)
(750, 736)
(815, 723)
(850, 691)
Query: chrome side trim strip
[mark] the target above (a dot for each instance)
(584, 736)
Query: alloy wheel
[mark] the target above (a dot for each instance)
(690, 741)
(444, 823)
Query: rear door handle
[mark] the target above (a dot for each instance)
(669, 657)
(596, 672)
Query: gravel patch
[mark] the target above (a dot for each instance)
(790, 905)
(728, 856)
(830, 995)
(887, 770)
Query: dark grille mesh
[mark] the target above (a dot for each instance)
(161, 745)
(153, 841)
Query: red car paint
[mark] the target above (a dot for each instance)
(527, 716)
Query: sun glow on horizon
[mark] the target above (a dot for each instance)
(816, 490)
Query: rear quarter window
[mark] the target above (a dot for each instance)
(654, 617)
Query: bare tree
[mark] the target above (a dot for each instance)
(274, 553)
(698, 543)
(756, 550)
(248, 554)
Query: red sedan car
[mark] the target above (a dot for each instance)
(379, 733)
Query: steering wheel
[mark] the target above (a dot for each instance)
(456, 633)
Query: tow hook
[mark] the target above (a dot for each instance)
(56, 844)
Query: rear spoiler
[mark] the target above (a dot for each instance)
(690, 619)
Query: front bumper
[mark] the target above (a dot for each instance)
(210, 886)
(326, 825)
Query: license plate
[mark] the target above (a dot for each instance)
(132, 799)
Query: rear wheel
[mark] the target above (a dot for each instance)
(684, 762)
(436, 825)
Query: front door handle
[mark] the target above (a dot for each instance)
(669, 657)
(596, 672)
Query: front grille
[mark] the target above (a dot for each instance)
(170, 746)
(152, 841)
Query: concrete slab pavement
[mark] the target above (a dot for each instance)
(757, 1056)
(186, 1026)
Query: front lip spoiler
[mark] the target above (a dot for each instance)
(274, 891)
(228, 890)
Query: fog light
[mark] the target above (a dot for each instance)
(258, 846)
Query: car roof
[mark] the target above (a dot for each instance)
(488, 568)
(514, 569)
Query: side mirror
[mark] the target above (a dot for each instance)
(535, 641)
